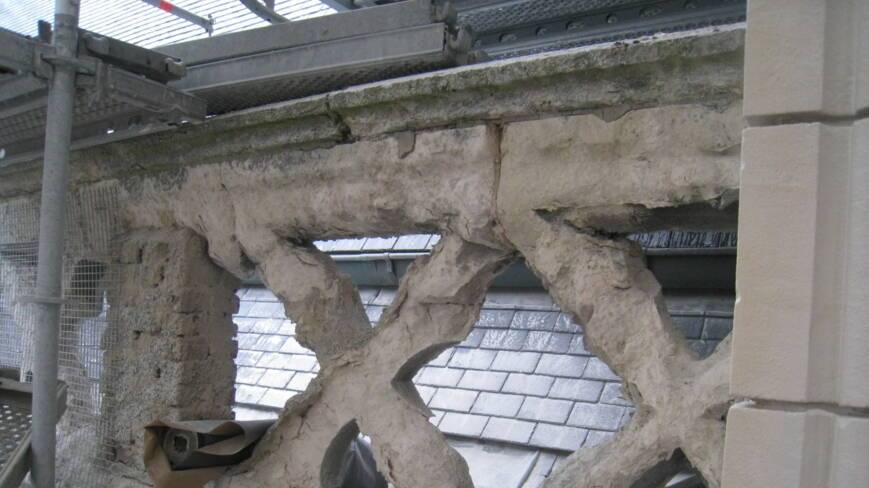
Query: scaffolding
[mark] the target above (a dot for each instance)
(89, 324)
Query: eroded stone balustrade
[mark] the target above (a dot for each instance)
(554, 158)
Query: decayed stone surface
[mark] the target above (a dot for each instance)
(611, 140)
(620, 176)
(680, 400)
(560, 183)
(612, 176)
(445, 181)
(368, 385)
(175, 351)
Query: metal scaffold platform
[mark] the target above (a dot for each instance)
(123, 90)
(15, 422)
(119, 87)
(295, 59)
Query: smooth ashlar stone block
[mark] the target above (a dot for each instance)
(800, 329)
(786, 449)
(806, 57)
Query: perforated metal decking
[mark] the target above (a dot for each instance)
(519, 27)
(296, 59)
(15, 422)
(108, 98)
(229, 72)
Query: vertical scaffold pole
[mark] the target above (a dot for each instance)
(52, 222)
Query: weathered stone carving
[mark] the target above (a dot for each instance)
(552, 158)
(174, 357)
(365, 382)
(680, 400)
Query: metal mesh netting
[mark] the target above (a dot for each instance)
(86, 323)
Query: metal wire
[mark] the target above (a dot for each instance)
(89, 325)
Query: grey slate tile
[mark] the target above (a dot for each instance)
(374, 313)
(347, 245)
(689, 325)
(717, 328)
(565, 324)
(268, 326)
(474, 338)
(506, 339)
(596, 416)
(439, 376)
(495, 319)
(613, 395)
(298, 362)
(497, 404)
(528, 384)
(463, 424)
(443, 358)
(437, 416)
(260, 294)
(325, 246)
(247, 341)
(244, 307)
(267, 310)
(292, 346)
(274, 360)
(379, 243)
(248, 376)
(453, 399)
(545, 410)
(561, 365)
(577, 346)
(541, 470)
(560, 437)
(245, 413)
(425, 392)
(367, 294)
(412, 242)
(269, 343)
(519, 299)
(598, 370)
(249, 394)
(274, 378)
(288, 328)
(596, 437)
(276, 398)
(534, 320)
(295, 362)
(544, 341)
(508, 430)
(301, 381)
(576, 389)
(483, 380)
(244, 324)
(472, 358)
(520, 362)
(247, 358)
(385, 297)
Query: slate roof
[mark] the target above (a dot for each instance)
(422, 242)
(522, 377)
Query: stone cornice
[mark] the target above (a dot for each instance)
(703, 65)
